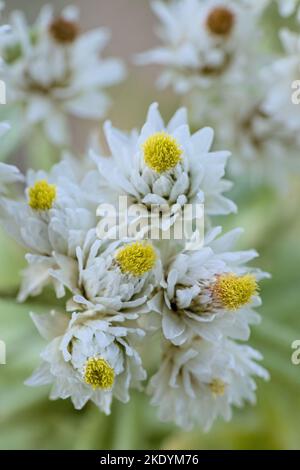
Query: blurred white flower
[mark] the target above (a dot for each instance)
(52, 70)
(256, 137)
(88, 359)
(165, 167)
(210, 292)
(280, 76)
(288, 7)
(201, 381)
(213, 54)
(203, 40)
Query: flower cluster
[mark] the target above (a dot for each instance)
(214, 54)
(199, 303)
(52, 70)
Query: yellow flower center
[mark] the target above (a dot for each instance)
(136, 259)
(99, 374)
(42, 195)
(235, 291)
(217, 387)
(161, 152)
(220, 21)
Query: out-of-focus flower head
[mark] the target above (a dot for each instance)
(52, 70)
(289, 7)
(199, 382)
(280, 76)
(213, 53)
(257, 135)
(203, 41)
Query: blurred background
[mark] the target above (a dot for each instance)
(28, 420)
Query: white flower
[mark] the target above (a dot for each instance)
(110, 276)
(88, 359)
(280, 76)
(210, 292)
(52, 70)
(288, 7)
(165, 167)
(198, 383)
(203, 40)
(51, 219)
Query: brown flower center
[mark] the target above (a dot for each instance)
(64, 31)
(220, 21)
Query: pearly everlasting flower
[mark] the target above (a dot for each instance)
(88, 359)
(165, 167)
(202, 381)
(203, 40)
(52, 70)
(51, 219)
(110, 276)
(210, 292)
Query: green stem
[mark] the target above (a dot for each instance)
(126, 429)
